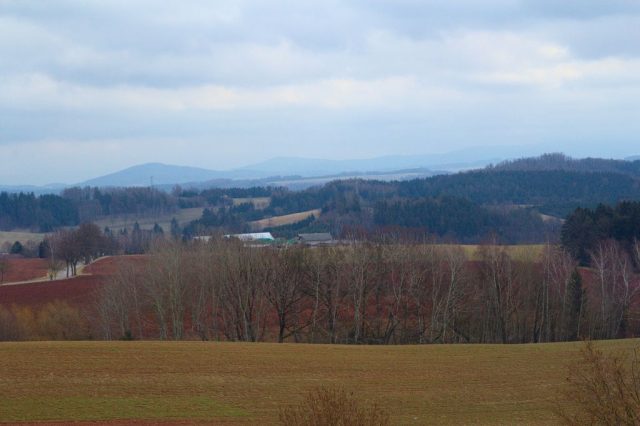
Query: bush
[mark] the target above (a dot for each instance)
(333, 407)
(8, 326)
(604, 390)
(59, 321)
(54, 321)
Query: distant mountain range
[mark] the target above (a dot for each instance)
(291, 168)
(299, 173)
(154, 174)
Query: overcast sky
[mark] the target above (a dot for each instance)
(89, 87)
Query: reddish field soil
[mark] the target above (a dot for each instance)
(77, 291)
(108, 265)
(25, 270)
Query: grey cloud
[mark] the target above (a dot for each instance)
(337, 78)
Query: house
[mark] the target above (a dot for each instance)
(315, 239)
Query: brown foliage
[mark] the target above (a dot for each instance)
(59, 321)
(333, 407)
(8, 329)
(54, 321)
(604, 390)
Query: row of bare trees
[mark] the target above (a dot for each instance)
(369, 293)
(71, 246)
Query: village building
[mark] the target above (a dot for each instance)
(315, 238)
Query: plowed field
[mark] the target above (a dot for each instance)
(76, 291)
(25, 269)
(238, 383)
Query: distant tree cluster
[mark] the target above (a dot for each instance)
(585, 229)
(43, 213)
(458, 219)
(72, 246)
(46, 213)
(138, 240)
(558, 161)
(547, 188)
(92, 203)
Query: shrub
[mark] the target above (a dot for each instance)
(604, 390)
(333, 407)
(8, 326)
(26, 324)
(59, 321)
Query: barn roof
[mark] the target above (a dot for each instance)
(253, 236)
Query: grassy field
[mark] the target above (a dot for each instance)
(239, 383)
(529, 252)
(13, 236)
(183, 216)
(286, 219)
(259, 203)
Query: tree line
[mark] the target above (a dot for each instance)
(369, 293)
(46, 213)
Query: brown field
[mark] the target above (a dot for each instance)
(183, 216)
(22, 236)
(78, 291)
(237, 383)
(25, 269)
(259, 203)
(286, 219)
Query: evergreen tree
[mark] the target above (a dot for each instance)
(157, 230)
(175, 228)
(576, 302)
(16, 248)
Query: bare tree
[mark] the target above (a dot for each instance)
(496, 272)
(244, 270)
(284, 288)
(327, 288)
(616, 287)
(4, 267)
(604, 389)
(121, 303)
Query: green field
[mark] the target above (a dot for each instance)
(22, 236)
(524, 252)
(183, 216)
(247, 383)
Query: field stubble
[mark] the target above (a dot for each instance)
(247, 383)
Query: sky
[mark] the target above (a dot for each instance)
(89, 87)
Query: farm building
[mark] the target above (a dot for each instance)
(315, 238)
(259, 237)
(254, 236)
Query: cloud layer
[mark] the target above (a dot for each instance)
(87, 87)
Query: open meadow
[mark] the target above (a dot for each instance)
(287, 219)
(239, 383)
(22, 236)
(117, 222)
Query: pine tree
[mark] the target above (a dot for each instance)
(576, 300)
(175, 228)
